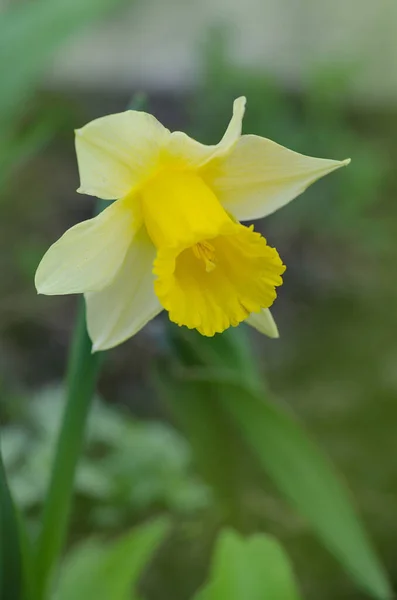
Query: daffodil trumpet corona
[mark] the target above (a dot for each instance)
(173, 239)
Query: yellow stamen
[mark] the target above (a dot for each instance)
(206, 252)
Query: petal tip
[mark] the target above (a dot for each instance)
(41, 291)
(241, 101)
(239, 106)
(101, 346)
(39, 285)
(273, 331)
(264, 323)
(45, 290)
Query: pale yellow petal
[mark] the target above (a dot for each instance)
(115, 153)
(187, 151)
(259, 176)
(233, 132)
(119, 311)
(263, 322)
(88, 256)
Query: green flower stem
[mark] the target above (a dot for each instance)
(83, 371)
(10, 554)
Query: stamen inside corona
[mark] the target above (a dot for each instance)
(206, 252)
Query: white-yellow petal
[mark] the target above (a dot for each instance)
(129, 302)
(88, 256)
(115, 153)
(259, 176)
(189, 152)
(233, 131)
(263, 322)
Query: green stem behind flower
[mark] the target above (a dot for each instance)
(82, 376)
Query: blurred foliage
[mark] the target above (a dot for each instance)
(254, 568)
(110, 570)
(129, 468)
(30, 33)
(217, 377)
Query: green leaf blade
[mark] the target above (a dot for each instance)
(10, 550)
(256, 568)
(299, 469)
(96, 570)
(309, 481)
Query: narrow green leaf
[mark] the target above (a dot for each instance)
(216, 448)
(305, 476)
(256, 568)
(83, 370)
(10, 552)
(110, 571)
(208, 428)
(29, 585)
(299, 469)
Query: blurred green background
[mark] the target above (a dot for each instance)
(320, 81)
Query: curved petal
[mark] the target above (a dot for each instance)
(188, 151)
(263, 322)
(119, 311)
(114, 153)
(259, 176)
(88, 256)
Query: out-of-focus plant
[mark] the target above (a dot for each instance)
(128, 467)
(30, 33)
(110, 570)
(254, 568)
(214, 390)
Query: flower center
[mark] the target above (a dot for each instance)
(211, 272)
(206, 252)
(214, 284)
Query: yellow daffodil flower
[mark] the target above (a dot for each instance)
(173, 239)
